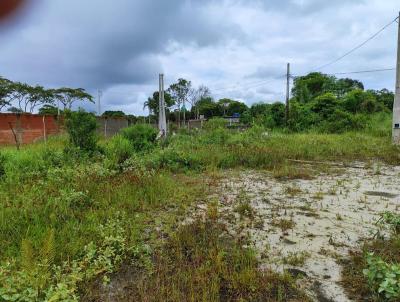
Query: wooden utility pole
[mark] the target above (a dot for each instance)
(396, 105)
(287, 93)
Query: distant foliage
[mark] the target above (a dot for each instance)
(81, 127)
(215, 123)
(142, 137)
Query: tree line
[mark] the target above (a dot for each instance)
(20, 97)
(318, 101)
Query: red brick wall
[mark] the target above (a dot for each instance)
(27, 127)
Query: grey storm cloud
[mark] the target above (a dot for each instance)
(120, 46)
(102, 43)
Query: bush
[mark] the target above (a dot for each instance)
(341, 121)
(119, 149)
(383, 278)
(81, 127)
(215, 123)
(142, 137)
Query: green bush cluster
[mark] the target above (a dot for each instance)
(325, 104)
(141, 136)
(81, 127)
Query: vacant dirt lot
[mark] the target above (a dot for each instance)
(305, 226)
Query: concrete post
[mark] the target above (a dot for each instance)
(396, 105)
(287, 94)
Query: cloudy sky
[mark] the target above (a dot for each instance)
(238, 48)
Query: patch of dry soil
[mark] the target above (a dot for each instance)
(304, 226)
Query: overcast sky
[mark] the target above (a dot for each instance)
(238, 48)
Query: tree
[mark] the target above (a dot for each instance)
(153, 103)
(21, 93)
(196, 95)
(259, 109)
(236, 107)
(48, 110)
(4, 92)
(324, 105)
(384, 97)
(37, 96)
(180, 92)
(343, 86)
(312, 85)
(223, 104)
(207, 107)
(111, 113)
(359, 101)
(68, 96)
(28, 97)
(15, 110)
(276, 113)
(81, 127)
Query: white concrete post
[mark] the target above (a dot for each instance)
(396, 105)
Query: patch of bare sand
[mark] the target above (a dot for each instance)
(304, 226)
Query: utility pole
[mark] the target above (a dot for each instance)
(99, 95)
(287, 93)
(396, 105)
(162, 121)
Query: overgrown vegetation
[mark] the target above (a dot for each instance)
(201, 262)
(374, 272)
(53, 204)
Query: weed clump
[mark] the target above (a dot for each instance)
(373, 273)
(142, 137)
(200, 262)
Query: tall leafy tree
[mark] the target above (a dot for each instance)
(20, 93)
(68, 96)
(153, 102)
(196, 95)
(38, 96)
(312, 85)
(5, 91)
(207, 107)
(180, 92)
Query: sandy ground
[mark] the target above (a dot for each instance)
(304, 226)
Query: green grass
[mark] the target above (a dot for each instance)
(355, 281)
(44, 190)
(201, 262)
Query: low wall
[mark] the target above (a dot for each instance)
(109, 126)
(28, 128)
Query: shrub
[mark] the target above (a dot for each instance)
(81, 127)
(340, 121)
(142, 137)
(119, 149)
(383, 278)
(215, 123)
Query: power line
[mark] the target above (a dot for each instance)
(358, 72)
(357, 47)
(365, 71)
(249, 85)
